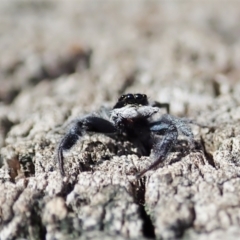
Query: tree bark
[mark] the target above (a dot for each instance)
(58, 77)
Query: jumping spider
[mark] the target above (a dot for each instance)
(132, 115)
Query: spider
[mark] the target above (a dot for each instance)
(133, 116)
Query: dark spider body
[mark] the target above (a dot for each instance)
(135, 128)
(132, 116)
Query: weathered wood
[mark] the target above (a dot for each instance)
(91, 60)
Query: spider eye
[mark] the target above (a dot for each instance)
(129, 99)
(122, 97)
(129, 96)
(141, 99)
(138, 96)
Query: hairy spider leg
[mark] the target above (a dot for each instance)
(87, 124)
(168, 126)
(183, 127)
(161, 148)
(161, 105)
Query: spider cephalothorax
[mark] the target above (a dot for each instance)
(131, 99)
(132, 115)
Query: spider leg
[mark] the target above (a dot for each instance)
(80, 127)
(161, 105)
(161, 148)
(182, 124)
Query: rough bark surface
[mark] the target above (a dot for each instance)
(61, 60)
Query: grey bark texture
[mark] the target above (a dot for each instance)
(62, 60)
